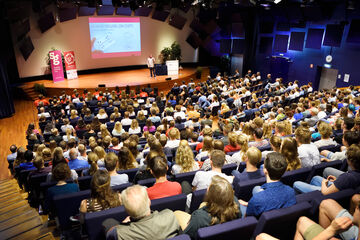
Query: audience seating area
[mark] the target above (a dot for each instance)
(280, 223)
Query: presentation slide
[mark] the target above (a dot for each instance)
(115, 37)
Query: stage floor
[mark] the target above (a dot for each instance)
(113, 79)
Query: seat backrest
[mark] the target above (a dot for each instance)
(121, 187)
(84, 182)
(235, 229)
(188, 176)
(93, 221)
(243, 189)
(342, 197)
(130, 172)
(281, 223)
(228, 168)
(67, 205)
(197, 198)
(176, 202)
(308, 197)
(181, 237)
(318, 169)
(147, 182)
(290, 177)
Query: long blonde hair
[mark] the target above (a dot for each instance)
(104, 131)
(184, 156)
(134, 124)
(118, 126)
(243, 141)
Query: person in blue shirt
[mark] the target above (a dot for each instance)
(74, 162)
(28, 165)
(298, 114)
(273, 194)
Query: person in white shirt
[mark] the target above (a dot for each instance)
(174, 136)
(43, 113)
(126, 121)
(202, 179)
(321, 114)
(134, 128)
(325, 131)
(179, 113)
(151, 65)
(308, 152)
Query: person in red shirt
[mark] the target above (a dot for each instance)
(205, 132)
(143, 94)
(41, 99)
(233, 146)
(162, 187)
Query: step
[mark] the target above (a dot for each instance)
(13, 206)
(31, 234)
(15, 213)
(21, 228)
(6, 194)
(7, 190)
(18, 220)
(47, 236)
(10, 201)
(7, 197)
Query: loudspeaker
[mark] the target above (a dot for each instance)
(101, 85)
(168, 78)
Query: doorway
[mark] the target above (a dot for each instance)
(328, 77)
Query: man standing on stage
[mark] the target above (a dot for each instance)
(151, 65)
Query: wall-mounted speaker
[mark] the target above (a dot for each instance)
(101, 85)
(168, 78)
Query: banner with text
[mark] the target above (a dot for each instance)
(70, 65)
(56, 66)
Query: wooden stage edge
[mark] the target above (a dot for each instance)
(133, 78)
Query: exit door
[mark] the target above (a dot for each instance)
(328, 78)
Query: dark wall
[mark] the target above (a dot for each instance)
(346, 58)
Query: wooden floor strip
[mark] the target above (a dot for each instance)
(4, 198)
(47, 236)
(10, 201)
(21, 228)
(14, 213)
(13, 206)
(31, 234)
(18, 220)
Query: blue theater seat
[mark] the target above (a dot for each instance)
(130, 172)
(197, 198)
(228, 168)
(281, 223)
(235, 229)
(188, 176)
(300, 174)
(181, 237)
(243, 189)
(93, 221)
(318, 169)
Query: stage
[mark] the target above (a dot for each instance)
(133, 78)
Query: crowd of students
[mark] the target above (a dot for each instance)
(269, 126)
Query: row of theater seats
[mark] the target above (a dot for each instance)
(68, 205)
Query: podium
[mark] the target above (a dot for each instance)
(172, 67)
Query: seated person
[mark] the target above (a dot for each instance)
(348, 138)
(333, 220)
(184, 159)
(219, 206)
(111, 161)
(141, 223)
(350, 179)
(258, 140)
(40, 168)
(273, 194)
(233, 146)
(74, 162)
(202, 179)
(174, 138)
(252, 159)
(162, 187)
(325, 131)
(102, 196)
(28, 165)
(308, 153)
(60, 174)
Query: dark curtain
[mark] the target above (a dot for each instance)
(6, 49)
(251, 24)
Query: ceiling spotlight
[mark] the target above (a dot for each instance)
(277, 1)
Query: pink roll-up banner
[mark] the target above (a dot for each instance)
(56, 66)
(70, 65)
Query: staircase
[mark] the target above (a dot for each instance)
(27, 91)
(17, 219)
